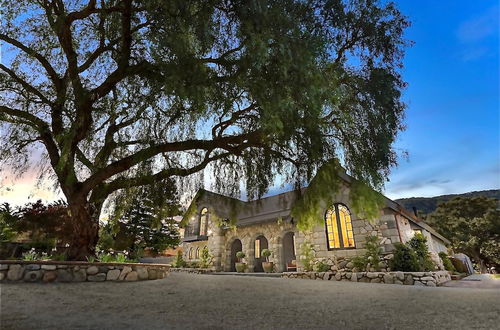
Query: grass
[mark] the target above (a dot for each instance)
(496, 276)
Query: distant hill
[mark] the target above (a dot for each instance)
(426, 205)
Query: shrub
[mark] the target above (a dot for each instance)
(405, 259)
(266, 253)
(307, 255)
(419, 244)
(372, 257)
(179, 261)
(206, 258)
(448, 265)
(193, 264)
(240, 255)
(320, 266)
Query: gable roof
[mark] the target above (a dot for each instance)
(273, 207)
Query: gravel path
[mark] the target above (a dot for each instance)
(185, 301)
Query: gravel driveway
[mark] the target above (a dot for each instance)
(186, 301)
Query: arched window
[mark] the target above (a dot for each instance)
(203, 221)
(339, 227)
(197, 253)
(190, 255)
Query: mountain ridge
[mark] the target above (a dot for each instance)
(426, 205)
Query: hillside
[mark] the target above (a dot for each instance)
(426, 205)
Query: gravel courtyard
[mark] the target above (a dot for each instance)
(185, 301)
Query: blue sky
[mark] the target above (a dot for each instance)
(453, 115)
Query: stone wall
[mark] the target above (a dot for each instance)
(192, 270)
(402, 278)
(74, 271)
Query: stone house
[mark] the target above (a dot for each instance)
(267, 223)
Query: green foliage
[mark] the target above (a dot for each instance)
(307, 256)
(419, 244)
(206, 258)
(448, 265)
(114, 257)
(372, 257)
(254, 91)
(179, 261)
(266, 253)
(31, 255)
(320, 266)
(240, 255)
(405, 259)
(366, 201)
(473, 227)
(309, 207)
(143, 218)
(8, 220)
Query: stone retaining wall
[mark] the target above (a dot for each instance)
(75, 271)
(192, 270)
(406, 278)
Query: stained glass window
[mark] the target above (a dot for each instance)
(198, 253)
(339, 227)
(257, 248)
(203, 221)
(190, 256)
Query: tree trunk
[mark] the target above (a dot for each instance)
(85, 221)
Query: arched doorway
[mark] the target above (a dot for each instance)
(288, 249)
(235, 247)
(260, 244)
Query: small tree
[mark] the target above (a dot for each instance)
(307, 255)
(266, 253)
(240, 255)
(448, 265)
(405, 259)
(373, 255)
(179, 261)
(419, 244)
(206, 258)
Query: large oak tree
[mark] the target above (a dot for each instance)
(251, 89)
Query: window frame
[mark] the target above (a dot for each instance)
(335, 207)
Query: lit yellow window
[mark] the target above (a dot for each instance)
(339, 227)
(197, 253)
(257, 248)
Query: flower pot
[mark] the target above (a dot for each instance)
(268, 266)
(240, 267)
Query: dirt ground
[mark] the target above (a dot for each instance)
(185, 301)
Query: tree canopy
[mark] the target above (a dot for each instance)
(473, 227)
(252, 89)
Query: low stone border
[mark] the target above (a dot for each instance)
(403, 278)
(78, 271)
(192, 270)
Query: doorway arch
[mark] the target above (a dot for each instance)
(260, 244)
(236, 246)
(288, 249)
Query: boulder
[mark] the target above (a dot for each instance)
(49, 267)
(343, 264)
(33, 267)
(113, 275)
(153, 274)
(430, 283)
(372, 275)
(400, 276)
(64, 275)
(92, 270)
(142, 273)
(132, 276)
(427, 278)
(124, 273)
(32, 276)
(354, 277)
(418, 283)
(100, 277)
(349, 265)
(388, 279)
(4, 267)
(2, 276)
(80, 275)
(398, 282)
(49, 276)
(338, 276)
(15, 272)
(375, 280)
(408, 280)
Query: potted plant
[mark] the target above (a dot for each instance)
(268, 266)
(240, 265)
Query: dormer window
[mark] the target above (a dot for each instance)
(203, 221)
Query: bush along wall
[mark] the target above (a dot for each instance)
(68, 271)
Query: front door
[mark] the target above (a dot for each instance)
(235, 247)
(260, 244)
(288, 249)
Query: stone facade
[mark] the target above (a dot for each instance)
(271, 219)
(47, 271)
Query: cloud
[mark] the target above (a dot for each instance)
(480, 27)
